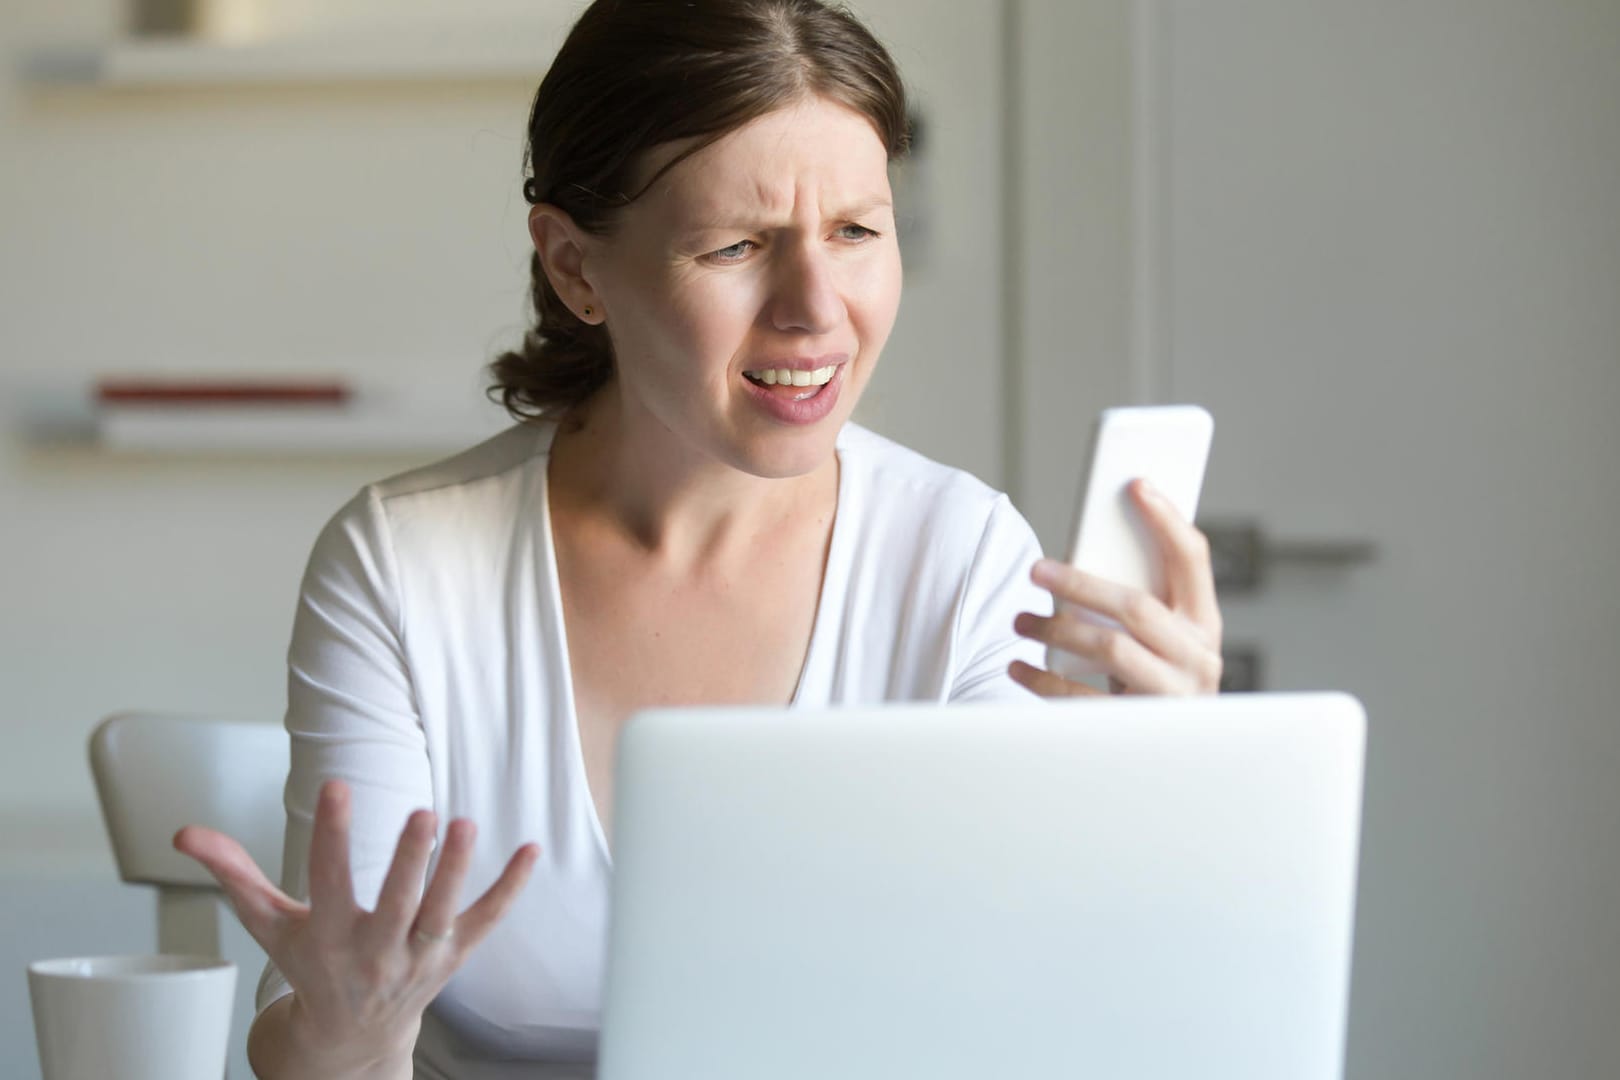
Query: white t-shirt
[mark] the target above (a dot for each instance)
(429, 668)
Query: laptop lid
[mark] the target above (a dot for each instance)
(1125, 887)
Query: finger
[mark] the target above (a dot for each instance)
(331, 883)
(1189, 575)
(1047, 683)
(1115, 651)
(1171, 635)
(259, 904)
(402, 888)
(436, 918)
(482, 914)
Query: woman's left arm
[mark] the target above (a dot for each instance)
(1167, 645)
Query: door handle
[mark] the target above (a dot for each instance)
(1242, 554)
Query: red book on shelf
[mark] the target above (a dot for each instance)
(172, 391)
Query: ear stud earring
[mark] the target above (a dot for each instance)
(589, 312)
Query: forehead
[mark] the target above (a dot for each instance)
(814, 149)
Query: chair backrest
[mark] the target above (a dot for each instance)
(155, 773)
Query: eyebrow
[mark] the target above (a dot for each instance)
(858, 209)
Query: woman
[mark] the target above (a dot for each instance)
(685, 516)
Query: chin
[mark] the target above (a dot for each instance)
(786, 454)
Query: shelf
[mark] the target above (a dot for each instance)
(372, 423)
(454, 53)
(283, 430)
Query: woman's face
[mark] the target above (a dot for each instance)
(763, 261)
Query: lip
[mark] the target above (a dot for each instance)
(808, 411)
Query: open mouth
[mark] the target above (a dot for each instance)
(790, 384)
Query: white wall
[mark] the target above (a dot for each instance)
(1073, 295)
(373, 232)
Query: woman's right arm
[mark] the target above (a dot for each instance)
(351, 931)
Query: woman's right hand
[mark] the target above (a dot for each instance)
(361, 979)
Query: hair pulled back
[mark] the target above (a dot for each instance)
(636, 73)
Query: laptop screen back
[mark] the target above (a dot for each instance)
(1131, 887)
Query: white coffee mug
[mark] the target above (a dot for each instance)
(133, 1017)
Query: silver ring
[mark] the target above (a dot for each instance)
(426, 938)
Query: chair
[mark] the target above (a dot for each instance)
(155, 773)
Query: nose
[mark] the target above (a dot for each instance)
(806, 298)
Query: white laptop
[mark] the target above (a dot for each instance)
(1136, 888)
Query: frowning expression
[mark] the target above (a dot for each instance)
(749, 292)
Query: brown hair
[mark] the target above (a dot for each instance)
(636, 73)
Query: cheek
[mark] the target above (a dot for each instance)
(685, 337)
(711, 319)
(875, 300)
(675, 322)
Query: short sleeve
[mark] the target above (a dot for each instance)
(997, 589)
(351, 707)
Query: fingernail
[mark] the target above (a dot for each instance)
(1044, 572)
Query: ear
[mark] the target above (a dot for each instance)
(561, 245)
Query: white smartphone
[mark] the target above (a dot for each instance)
(1168, 446)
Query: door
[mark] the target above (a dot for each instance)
(1381, 242)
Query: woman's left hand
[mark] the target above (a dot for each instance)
(1168, 645)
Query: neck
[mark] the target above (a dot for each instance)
(618, 464)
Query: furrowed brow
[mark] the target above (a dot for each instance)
(745, 222)
(861, 207)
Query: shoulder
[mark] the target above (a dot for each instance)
(899, 483)
(501, 457)
(885, 466)
(931, 564)
(914, 502)
(482, 488)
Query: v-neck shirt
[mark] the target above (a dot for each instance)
(429, 668)
(569, 704)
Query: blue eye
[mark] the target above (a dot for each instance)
(856, 232)
(733, 253)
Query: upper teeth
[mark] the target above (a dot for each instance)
(788, 377)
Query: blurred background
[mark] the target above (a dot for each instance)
(1379, 239)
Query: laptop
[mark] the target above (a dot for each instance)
(1135, 888)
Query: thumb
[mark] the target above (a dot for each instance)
(259, 904)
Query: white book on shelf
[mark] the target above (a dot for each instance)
(270, 428)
